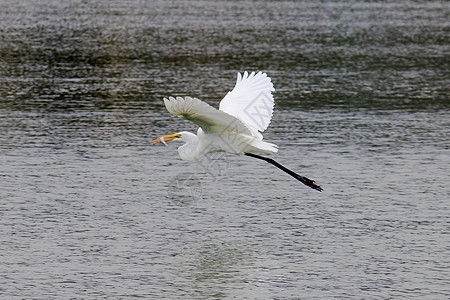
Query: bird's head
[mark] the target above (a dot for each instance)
(168, 138)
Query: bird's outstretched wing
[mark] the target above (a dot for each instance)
(204, 115)
(251, 101)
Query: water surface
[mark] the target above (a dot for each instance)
(89, 208)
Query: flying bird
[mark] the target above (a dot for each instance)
(235, 127)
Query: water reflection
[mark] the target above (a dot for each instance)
(212, 270)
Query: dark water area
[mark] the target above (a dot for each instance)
(90, 209)
(321, 54)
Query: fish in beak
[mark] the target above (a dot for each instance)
(166, 138)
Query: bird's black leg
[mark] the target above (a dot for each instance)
(303, 179)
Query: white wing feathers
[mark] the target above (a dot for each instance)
(246, 109)
(251, 101)
(204, 115)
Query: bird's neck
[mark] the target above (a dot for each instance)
(189, 150)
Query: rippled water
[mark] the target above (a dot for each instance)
(90, 209)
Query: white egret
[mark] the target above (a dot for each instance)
(235, 127)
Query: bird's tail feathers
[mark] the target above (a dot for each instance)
(264, 147)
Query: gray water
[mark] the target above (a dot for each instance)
(90, 209)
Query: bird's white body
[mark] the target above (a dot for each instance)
(235, 127)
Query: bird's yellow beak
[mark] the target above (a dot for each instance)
(167, 138)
